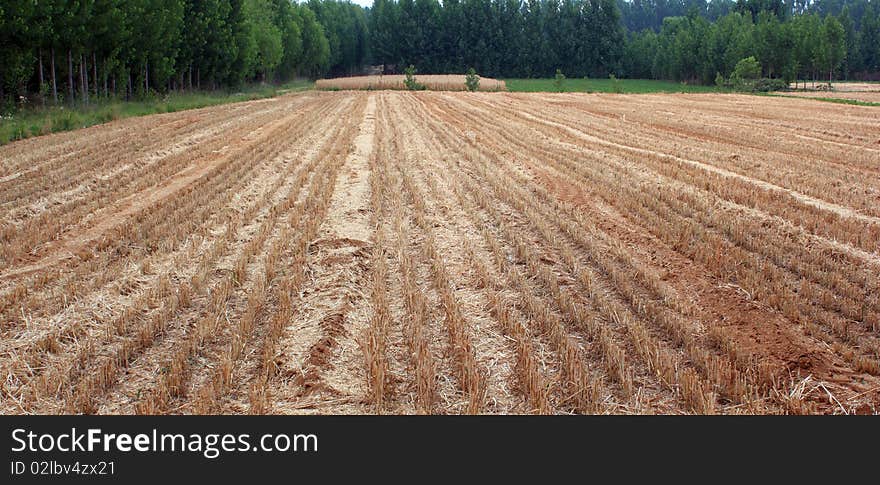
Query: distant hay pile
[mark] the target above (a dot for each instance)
(434, 82)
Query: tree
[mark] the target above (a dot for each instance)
(870, 34)
(559, 81)
(409, 79)
(345, 26)
(267, 37)
(244, 45)
(16, 56)
(290, 25)
(316, 48)
(852, 59)
(833, 46)
(747, 69)
(773, 47)
(471, 80)
(383, 18)
(807, 32)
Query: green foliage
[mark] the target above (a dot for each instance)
(559, 81)
(766, 85)
(746, 78)
(747, 69)
(832, 48)
(529, 38)
(616, 85)
(824, 37)
(316, 47)
(410, 79)
(472, 80)
(267, 37)
(345, 26)
(89, 51)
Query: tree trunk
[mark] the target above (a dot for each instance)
(198, 79)
(84, 78)
(42, 81)
(95, 73)
(70, 75)
(129, 92)
(54, 84)
(147, 77)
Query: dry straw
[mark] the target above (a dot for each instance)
(434, 82)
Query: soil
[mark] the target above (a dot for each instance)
(735, 219)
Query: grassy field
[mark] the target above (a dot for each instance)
(36, 121)
(579, 85)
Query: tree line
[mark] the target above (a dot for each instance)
(819, 40)
(685, 40)
(81, 49)
(73, 50)
(499, 38)
(638, 15)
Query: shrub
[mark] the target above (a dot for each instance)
(63, 122)
(746, 69)
(765, 85)
(616, 84)
(410, 80)
(559, 81)
(471, 80)
(762, 85)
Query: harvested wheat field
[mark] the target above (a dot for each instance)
(866, 96)
(394, 252)
(840, 86)
(856, 91)
(434, 82)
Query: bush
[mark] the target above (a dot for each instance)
(410, 80)
(616, 84)
(761, 85)
(747, 69)
(471, 80)
(64, 122)
(765, 85)
(559, 81)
